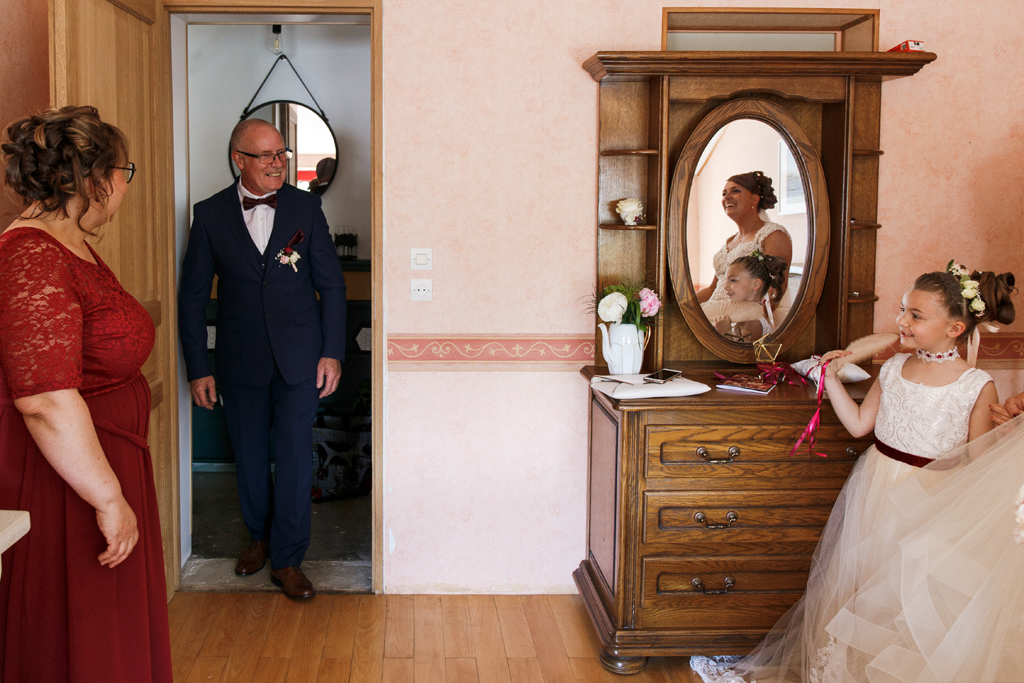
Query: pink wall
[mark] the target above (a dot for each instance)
(491, 132)
(25, 81)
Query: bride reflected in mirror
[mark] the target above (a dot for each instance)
(745, 199)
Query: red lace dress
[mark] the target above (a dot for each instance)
(67, 323)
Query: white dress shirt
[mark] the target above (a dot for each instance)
(259, 219)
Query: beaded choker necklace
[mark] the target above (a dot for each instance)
(952, 354)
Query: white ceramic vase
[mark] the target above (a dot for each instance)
(623, 348)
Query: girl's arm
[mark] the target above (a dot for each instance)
(61, 425)
(859, 420)
(981, 417)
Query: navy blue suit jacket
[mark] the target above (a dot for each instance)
(266, 313)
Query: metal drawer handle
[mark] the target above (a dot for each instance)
(852, 451)
(698, 585)
(706, 454)
(731, 517)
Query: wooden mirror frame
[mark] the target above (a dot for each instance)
(818, 226)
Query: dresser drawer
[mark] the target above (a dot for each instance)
(726, 521)
(731, 451)
(721, 592)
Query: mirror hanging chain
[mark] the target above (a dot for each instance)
(280, 57)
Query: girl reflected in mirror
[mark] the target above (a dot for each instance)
(745, 199)
(753, 286)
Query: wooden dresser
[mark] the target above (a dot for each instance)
(701, 526)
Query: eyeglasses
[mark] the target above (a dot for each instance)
(266, 157)
(129, 171)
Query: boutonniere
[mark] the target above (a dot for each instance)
(288, 256)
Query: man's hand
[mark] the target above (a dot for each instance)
(204, 392)
(328, 374)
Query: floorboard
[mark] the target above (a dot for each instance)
(268, 638)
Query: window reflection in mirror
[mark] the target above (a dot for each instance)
(734, 301)
(305, 133)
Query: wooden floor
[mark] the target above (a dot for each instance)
(267, 638)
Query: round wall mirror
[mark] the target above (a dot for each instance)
(741, 271)
(309, 136)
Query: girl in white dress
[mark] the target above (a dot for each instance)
(753, 286)
(917, 576)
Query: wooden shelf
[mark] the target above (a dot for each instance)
(629, 152)
(863, 225)
(858, 298)
(620, 226)
(719, 64)
(868, 152)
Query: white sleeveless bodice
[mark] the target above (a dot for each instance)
(929, 422)
(724, 256)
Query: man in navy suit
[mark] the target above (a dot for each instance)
(278, 349)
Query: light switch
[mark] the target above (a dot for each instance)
(421, 259)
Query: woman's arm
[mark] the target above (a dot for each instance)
(62, 427)
(779, 244)
(1013, 407)
(705, 294)
(859, 420)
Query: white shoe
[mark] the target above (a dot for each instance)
(716, 669)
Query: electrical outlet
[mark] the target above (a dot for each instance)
(422, 290)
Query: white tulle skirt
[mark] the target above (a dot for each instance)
(917, 577)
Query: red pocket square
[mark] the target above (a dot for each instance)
(296, 238)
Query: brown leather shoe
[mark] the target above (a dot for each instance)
(252, 559)
(294, 582)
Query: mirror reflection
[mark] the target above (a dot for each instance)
(746, 230)
(307, 134)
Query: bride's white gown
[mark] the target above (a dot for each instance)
(917, 576)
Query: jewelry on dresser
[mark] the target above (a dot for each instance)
(952, 354)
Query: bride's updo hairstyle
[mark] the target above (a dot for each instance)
(994, 290)
(760, 184)
(49, 157)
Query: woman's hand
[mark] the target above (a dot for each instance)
(120, 529)
(1013, 407)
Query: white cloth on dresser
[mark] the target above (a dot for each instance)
(917, 576)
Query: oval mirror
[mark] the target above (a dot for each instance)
(309, 136)
(715, 225)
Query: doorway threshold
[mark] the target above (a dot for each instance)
(217, 575)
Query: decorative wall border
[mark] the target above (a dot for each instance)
(489, 352)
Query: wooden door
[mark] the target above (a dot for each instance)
(113, 55)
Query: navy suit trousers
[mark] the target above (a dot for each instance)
(275, 510)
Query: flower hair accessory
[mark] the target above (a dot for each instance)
(969, 288)
(758, 254)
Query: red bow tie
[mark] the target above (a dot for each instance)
(249, 202)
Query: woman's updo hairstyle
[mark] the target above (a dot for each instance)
(994, 290)
(770, 270)
(49, 157)
(761, 185)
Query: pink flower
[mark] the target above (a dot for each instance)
(649, 303)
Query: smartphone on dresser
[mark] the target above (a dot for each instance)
(662, 376)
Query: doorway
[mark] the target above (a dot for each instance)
(219, 61)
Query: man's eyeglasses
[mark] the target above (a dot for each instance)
(267, 157)
(129, 171)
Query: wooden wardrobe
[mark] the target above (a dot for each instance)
(701, 526)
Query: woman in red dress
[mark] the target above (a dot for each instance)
(82, 596)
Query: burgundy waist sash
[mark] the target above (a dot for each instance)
(890, 452)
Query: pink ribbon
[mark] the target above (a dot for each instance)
(811, 430)
(776, 373)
